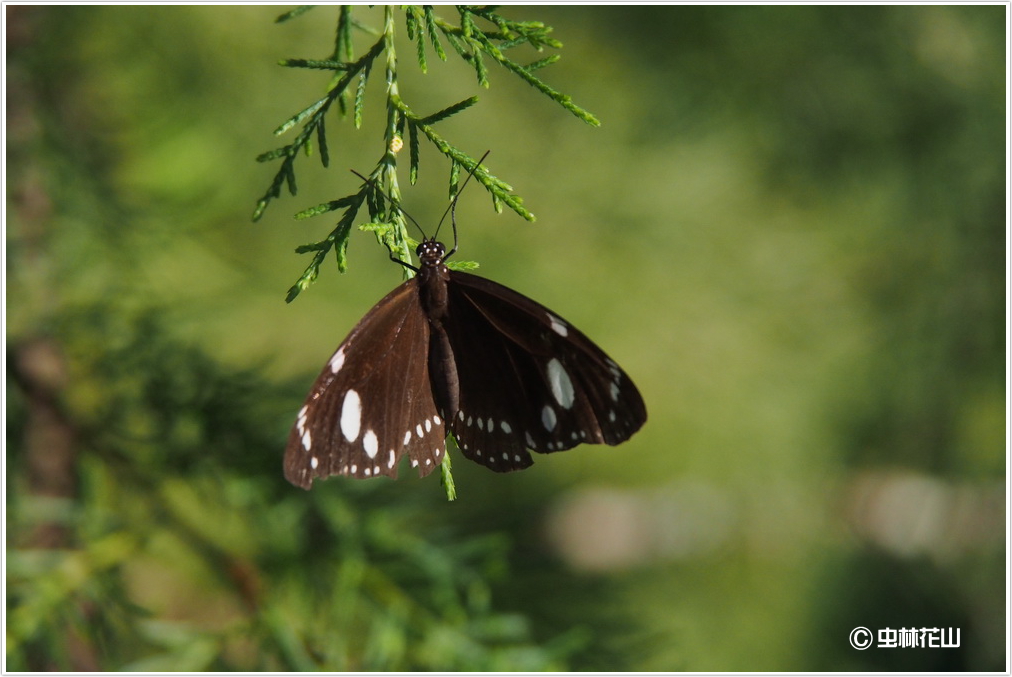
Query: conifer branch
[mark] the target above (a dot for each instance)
(480, 36)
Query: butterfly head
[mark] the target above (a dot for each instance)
(430, 252)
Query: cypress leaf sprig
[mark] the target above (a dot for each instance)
(480, 36)
(289, 15)
(320, 64)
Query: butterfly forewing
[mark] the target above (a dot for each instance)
(529, 379)
(372, 403)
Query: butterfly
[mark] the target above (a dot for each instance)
(451, 352)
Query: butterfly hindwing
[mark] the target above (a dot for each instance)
(529, 379)
(372, 403)
(489, 425)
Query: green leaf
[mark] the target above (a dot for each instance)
(318, 64)
(258, 211)
(430, 25)
(360, 96)
(446, 478)
(308, 276)
(449, 111)
(321, 140)
(301, 115)
(412, 154)
(462, 265)
(341, 253)
(410, 21)
(458, 47)
(541, 63)
(479, 66)
(333, 205)
(274, 154)
(343, 48)
(291, 14)
(454, 178)
(415, 21)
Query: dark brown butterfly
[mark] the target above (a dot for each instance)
(447, 351)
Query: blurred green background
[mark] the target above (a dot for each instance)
(789, 229)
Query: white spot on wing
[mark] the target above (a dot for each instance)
(428, 425)
(548, 418)
(614, 392)
(393, 459)
(506, 427)
(407, 437)
(435, 419)
(562, 387)
(351, 415)
(314, 462)
(337, 361)
(558, 325)
(307, 441)
(370, 443)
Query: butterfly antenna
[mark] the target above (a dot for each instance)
(391, 200)
(452, 209)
